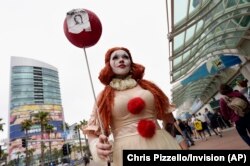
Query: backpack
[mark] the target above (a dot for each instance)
(197, 125)
(238, 105)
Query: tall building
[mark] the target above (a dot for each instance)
(34, 88)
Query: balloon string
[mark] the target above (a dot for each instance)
(93, 91)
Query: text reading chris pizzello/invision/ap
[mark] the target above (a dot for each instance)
(185, 157)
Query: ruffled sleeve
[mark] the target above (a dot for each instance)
(93, 126)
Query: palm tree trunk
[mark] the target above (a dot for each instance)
(50, 152)
(87, 143)
(80, 141)
(26, 148)
(42, 146)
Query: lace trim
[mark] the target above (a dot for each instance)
(123, 84)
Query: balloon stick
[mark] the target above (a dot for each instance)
(83, 29)
(93, 91)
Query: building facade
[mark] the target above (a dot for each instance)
(208, 45)
(34, 88)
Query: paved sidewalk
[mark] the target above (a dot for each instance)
(230, 140)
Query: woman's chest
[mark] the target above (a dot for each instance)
(135, 97)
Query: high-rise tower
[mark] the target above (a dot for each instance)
(34, 88)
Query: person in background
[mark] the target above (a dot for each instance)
(86, 160)
(224, 123)
(128, 108)
(202, 118)
(215, 124)
(199, 129)
(243, 87)
(242, 123)
(189, 129)
(176, 132)
(185, 132)
(195, 134)
(212, 120)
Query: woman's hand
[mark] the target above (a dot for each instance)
(104, 148)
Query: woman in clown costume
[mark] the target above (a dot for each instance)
(128, 108)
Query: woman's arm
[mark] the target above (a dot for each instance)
(100, 147)
(224, 109)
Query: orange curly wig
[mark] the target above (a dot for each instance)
(106, 100)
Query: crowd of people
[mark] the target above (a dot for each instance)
(199, 127)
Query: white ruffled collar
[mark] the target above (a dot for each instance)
(123, 84)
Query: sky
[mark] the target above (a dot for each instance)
(34, 29)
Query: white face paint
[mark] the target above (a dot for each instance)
(120, 63)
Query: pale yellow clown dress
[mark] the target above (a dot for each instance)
(124, 125)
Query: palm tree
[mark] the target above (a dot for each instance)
(1, 125)
(12, 163)
(4, 157)
(57, 154)
(66, 125)
(30, 154)
(49, 129)
(76, 129)
(17, 160)
(73, 151)
(25, 126)
(42, 118)
(83, 123)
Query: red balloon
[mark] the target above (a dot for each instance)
(82, 28)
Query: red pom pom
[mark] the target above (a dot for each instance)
(136, 105)
(146, 128)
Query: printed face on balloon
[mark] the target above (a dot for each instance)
(120, 63)
(78, 21)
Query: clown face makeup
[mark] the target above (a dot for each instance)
(120, 63)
